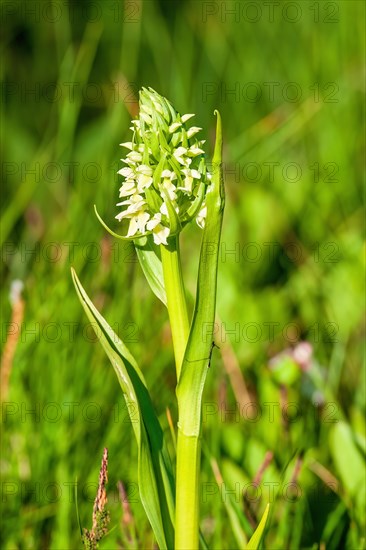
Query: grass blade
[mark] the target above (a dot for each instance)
(233, 510)
(254, 542)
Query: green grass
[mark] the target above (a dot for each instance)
(192, 61)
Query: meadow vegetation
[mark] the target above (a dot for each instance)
(285, 428)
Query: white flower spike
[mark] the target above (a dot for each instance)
(165, 172)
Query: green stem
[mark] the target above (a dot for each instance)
(176, 299)
(187, 493)
(188, 448)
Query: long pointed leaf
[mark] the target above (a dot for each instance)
(154, 468)
(254, 542)
(196, 360)
(199, 346)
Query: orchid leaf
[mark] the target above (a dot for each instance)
(199, 346)
(154, 467)
(151, 266)
(197, 357)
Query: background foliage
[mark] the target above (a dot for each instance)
(288, 81)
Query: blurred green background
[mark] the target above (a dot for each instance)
(288, 79)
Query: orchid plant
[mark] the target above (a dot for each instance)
(166, 186)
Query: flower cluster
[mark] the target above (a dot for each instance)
(165, 173)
